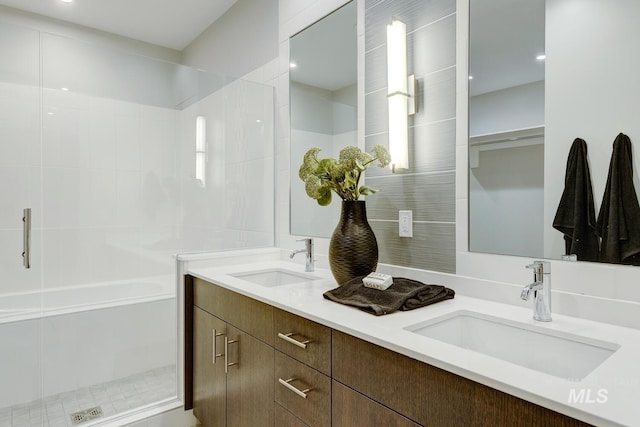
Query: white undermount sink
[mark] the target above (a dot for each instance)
(274, 277)
(556, 353)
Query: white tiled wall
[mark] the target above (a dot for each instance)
(235, 208)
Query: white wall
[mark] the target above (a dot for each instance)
(505, 199)
(235, 209)
(104, 71)
(517, 107)
(100, 38)
(592, 92)
(326, 120)
(243, 39)
(507, 184)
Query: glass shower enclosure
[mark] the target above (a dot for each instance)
(110, 165)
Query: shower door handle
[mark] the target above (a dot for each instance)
(26, 238)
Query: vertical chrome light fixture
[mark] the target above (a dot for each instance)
(201, 150)
(400, 94)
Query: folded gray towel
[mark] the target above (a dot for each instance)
(404, 294)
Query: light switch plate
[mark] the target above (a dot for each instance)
(405, 221)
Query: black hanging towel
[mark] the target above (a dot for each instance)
(619, 218)
(576, 214)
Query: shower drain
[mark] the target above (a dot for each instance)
(86, 415)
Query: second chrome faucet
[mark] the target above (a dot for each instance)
(541, 288)
(308, 249)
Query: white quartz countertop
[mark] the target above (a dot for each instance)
(611, 393)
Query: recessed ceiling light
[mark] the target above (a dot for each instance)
(66, 1)
(292, 65)
(65, 89)
(470, 77)
(541, 57)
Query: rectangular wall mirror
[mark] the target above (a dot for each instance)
(541, 74)
(323, 105)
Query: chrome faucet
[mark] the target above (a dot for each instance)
(541, 288)
(308, 249)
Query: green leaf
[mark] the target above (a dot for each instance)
(365, 191)
(350, 179)
(325, 165)
(325, 199)
(309, 163)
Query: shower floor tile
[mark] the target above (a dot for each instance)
(113, 397)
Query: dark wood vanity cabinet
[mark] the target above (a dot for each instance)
(428, 395)
(351, 408)
(209, 378)
(287, 371)
(232, 379)
(303, 368)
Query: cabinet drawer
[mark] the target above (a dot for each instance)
(285, 418)
(303, 339)
(247, 314)
(351, 408)
(429, 395)
(419, 391)
(299, 381)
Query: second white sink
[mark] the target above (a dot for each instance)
(274, 277)
(556, 353)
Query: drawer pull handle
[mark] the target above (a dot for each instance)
(216, 355)
(287, 337)
(287, 384)
(227, 341)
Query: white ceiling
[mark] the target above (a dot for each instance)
(169, 23)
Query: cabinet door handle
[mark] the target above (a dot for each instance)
(216, 334)
(227, 341)
(296, 390)
(287, 337)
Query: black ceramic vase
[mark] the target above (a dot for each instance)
(353, 250)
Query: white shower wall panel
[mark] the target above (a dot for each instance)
(109, 188)
(84, 336)
(19, 131)
(235, 207)
(20, 177)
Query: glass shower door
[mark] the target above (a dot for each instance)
(109, 149)
(20, 189)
